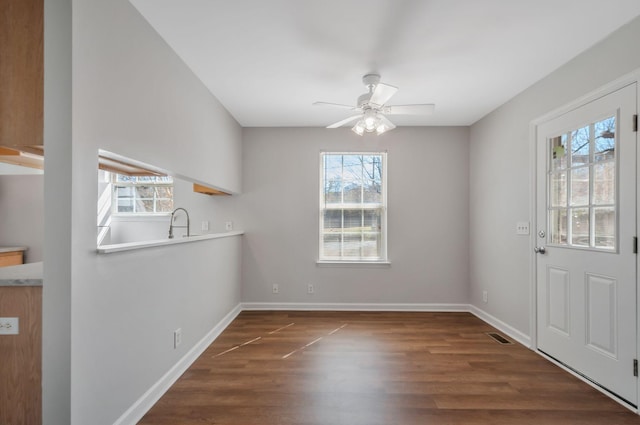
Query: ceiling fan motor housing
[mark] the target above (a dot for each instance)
(363, 100)
(371, 80)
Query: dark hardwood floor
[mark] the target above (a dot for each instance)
(357, 368)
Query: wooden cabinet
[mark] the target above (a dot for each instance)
(21, 73)
(12, 258)
(21, 356)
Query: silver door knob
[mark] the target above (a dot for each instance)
(539, 250)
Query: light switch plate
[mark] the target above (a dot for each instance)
(522, 228)
(9, 326)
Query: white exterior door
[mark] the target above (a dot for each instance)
(586, 224)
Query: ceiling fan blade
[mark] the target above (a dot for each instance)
(420, 109)
(334, 105)
(382, 93)
(344, 121)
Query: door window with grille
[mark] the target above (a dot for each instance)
(582, 186)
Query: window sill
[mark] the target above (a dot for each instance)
(365, 264)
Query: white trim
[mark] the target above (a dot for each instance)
(338, 263)
(383, 206)
(355, 307)
(153, 394)
(521, 337)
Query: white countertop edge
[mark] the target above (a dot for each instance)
(108, 249)
(4, 249)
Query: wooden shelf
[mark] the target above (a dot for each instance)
(25, 159)
(208, 190)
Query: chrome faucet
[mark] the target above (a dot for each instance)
(173, 217)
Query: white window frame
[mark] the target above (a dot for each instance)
(115, 184)
(383, 206)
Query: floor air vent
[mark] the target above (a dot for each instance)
(499, 338)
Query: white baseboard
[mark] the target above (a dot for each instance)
(153, 394)
(500, 325)
(354, 307)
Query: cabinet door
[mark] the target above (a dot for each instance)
(21, 72)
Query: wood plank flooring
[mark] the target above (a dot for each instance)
(360, 368)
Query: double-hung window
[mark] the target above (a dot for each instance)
(353, 207)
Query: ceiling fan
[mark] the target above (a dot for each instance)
(372, 108)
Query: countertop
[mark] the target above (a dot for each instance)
(23, 275)
(108, 249)
(4, 249)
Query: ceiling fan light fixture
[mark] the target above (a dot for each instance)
(382, 128)
(359, 128)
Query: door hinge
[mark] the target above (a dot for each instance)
(635, 244)
(635, 367)
(635, 122)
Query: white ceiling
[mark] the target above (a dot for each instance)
(268, 60)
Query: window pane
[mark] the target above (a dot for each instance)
(580, 146)
(164, 192)
(580, 186)
(124, 205)
(145, 191)
(605, 227)
(558, 152)
(331, 245)
(372, 220)
(164, 205)
(352, 220)
(351, 245)
(144, 205)
(352, 193)
(558, 226)
(580, 226)
(559, 190)
(604, 183)
(605, 139)
(371, 245)
(124, 192)
(333, 192)
(332, 220)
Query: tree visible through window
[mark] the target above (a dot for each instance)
(353, 207)
(142, 194)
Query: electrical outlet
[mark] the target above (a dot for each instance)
(177, 337)
(205, 226)
(9, 326)
(485, 297)
(228, 225)
(522, 228)
(275, 289)
(310, 289)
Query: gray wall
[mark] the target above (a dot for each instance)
(22, 214)
(428, 216)
(500, 173)
(115, 314)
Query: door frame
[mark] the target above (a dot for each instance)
(633, 77)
